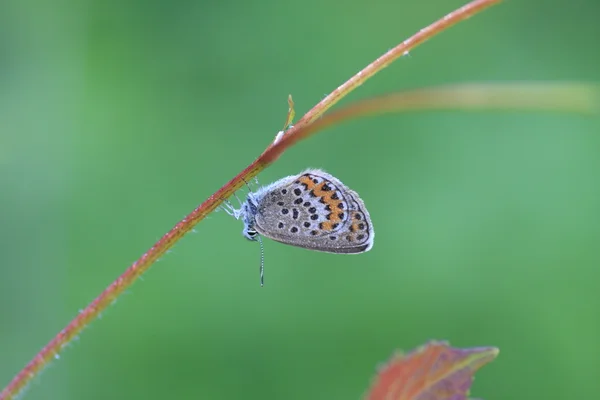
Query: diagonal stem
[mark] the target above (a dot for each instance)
(392, 55)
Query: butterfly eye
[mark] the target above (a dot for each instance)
(250, 233)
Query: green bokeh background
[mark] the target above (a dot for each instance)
(118, 118)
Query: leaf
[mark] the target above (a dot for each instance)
(435, 371)
(291, 113)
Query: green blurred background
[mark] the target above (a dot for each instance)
(118, 118)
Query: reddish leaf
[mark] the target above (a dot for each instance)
(433, 372)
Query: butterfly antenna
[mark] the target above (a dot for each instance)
(262, 261)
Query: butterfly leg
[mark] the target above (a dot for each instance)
(230, 209)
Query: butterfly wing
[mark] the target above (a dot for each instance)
(314, 210)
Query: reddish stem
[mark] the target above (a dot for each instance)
(300, 131)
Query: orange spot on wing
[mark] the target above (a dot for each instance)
(333, 216)
(318, 189)
(305, 179)
(326, 226)
(355, 228)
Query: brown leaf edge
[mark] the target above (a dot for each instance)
(434, 371)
